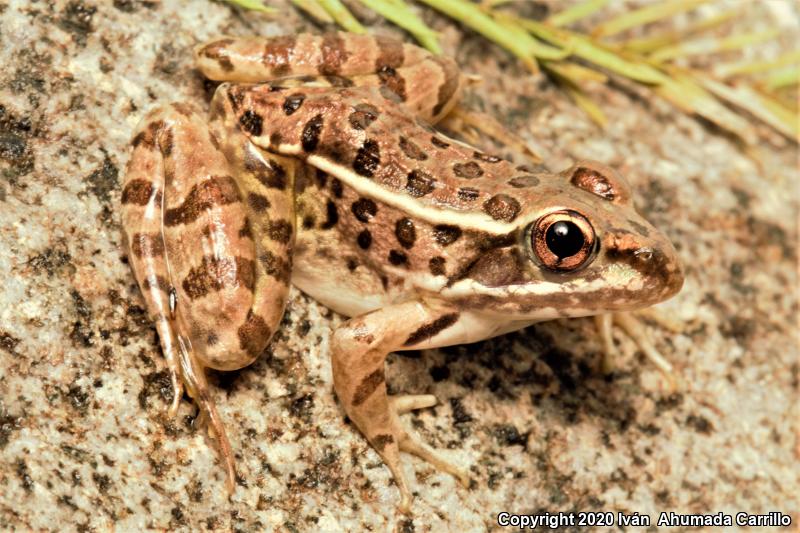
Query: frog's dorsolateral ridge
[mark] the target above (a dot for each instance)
(317, 167)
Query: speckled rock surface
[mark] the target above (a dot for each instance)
(84, 440)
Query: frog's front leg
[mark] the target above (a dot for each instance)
(360, 347)
(209, 222)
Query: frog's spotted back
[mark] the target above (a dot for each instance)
(352, 132)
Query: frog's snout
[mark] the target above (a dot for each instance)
(656, 263)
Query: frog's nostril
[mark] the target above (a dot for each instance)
(644, 254)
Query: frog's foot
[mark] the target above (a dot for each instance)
(410, 443)
(194, 377)
(470, 124)
(634, 328)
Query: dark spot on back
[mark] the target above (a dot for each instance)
(364, 209)
(446, 234)
(405, 232)
(411, 150)
(419, 183)
(311, 131)
(438, 143)
(436, 265)
(502, 207)
(363, 115)
(520, 182)
(485, 157)
(397, 258)
(292, 103)
(332, 215)
(364, 239)
(468, 194)
(336, 188)
(275, 138)
(339, 81)
(367, 158)
(251, 122)
(470, 170)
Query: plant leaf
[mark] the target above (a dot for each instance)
(314, 9)
(647, 44)
(400, 13)
(253, 5)
(645, 15)
(755, 67)
(680, 89)
(342, 16)
(576, 12)
(505, 33)
(784, 78)
(761, 106)
(710, 45)
(601, 56)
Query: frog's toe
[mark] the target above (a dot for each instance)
(411, 402)
(177, 395)
(634, 328)
(410, 443)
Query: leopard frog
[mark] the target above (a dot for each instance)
(317, 166)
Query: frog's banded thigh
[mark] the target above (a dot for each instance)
(189, 223)
(428, 85)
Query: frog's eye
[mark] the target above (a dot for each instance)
(563, 240)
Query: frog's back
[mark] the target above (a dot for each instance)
(384, 154)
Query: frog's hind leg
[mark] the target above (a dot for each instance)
(216, 292)
(360, 347)
(428, 85)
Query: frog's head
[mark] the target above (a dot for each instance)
(591, 238)
(581, 248)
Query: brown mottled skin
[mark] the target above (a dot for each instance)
(330, 178)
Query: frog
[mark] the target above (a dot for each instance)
(318, 165)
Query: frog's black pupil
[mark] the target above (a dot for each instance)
(564, 239)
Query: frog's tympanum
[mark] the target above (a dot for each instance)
(317, 166)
